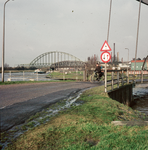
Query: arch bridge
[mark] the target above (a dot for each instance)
(56, 59)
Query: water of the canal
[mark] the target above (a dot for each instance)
(140, 93)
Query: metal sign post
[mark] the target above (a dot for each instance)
(105, 57)
(107, 41)
(105, 77)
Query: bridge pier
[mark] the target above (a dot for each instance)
(123, 94)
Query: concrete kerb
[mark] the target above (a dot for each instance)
(130, 123)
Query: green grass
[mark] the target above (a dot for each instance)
(19, 82)
(23, 82)
(87, 127)
(69, 75)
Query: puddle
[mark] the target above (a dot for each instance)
(39, 118)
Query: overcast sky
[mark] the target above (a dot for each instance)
(78, 27)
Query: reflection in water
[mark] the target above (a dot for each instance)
(141, 98)
(24, 76)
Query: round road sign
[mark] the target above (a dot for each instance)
(105, 57)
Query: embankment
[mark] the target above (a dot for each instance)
(88, 126)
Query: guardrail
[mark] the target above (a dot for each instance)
(118, 78)
(121, 77)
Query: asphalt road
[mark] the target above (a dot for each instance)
(19, 102)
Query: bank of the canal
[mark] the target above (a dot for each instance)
(87, 126)
(140, 93)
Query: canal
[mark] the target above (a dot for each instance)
(140, 93)
(24, 76)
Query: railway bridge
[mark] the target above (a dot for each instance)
(55, 59)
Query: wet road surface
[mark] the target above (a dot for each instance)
(19, 102)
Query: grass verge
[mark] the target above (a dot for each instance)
(23, 82)
(87, 126)
(69, 75)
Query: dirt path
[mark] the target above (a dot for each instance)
(19, 102)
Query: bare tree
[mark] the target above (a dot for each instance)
(91, 63)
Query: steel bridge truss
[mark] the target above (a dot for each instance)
(56, 59)
(68, 64)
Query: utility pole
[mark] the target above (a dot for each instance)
(3, 50)
(107, 41)
(137, 36)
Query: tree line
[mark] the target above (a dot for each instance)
(7, 67)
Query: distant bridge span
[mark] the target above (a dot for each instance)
(56, 59)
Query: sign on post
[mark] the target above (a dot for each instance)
(105, 47)
(105, 57)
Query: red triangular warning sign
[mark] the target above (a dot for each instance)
(105, 47)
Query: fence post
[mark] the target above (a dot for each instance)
(37, 76)
(10, 75)
(118, 79)
(127, 76)
(122, 78)
(112, 80)
(84, 75)
(63, 74)
(76, 74)
(141, 76)
(23, 75)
